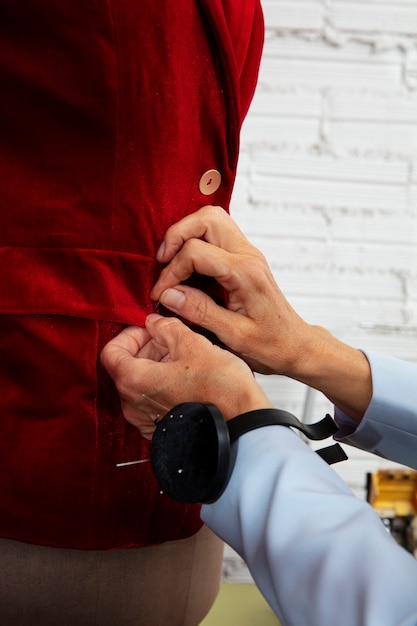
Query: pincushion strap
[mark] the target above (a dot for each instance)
(332, 454)
(277, 417)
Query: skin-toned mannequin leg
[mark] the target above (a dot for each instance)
(174, 583)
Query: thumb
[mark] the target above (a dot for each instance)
(192, 304)
(123, 347)
(171, 334)
(198, 308)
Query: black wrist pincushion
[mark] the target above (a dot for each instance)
(191, 448)
(190, 452)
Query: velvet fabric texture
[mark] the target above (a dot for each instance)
(110, 112)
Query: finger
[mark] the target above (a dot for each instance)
(126, 344)
(198, 308)
(210, 223)
(171, 334)
(153, 351)
(143, 414)
(203, 258)
(135, 350)
(231, 327)
(131, 339)
(130, 356)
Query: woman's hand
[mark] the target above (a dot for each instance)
(157, 367)
(258, 324)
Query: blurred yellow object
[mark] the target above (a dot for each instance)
(393, 493)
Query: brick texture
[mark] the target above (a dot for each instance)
(327, 183)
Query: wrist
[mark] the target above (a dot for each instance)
(309, 345)
(248, 399)
(341, 372)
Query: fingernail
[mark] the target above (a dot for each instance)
(153, 317)
(173, 299)
(160, 253)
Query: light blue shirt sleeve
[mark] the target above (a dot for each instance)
(389, 426)
(319, 555)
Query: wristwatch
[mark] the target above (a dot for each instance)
(192, 454)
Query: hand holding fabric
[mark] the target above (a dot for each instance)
(167, 363)
(259, 324)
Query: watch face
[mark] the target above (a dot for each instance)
(190, 452)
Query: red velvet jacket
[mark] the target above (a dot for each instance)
(110, 112)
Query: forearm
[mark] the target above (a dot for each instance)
(319, 555)
(389, 427)
(340, 372)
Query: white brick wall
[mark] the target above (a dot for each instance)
(327, 184)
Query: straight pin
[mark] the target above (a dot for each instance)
(158, 404)
(132, 463)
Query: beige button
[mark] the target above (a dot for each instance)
(210, 182)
